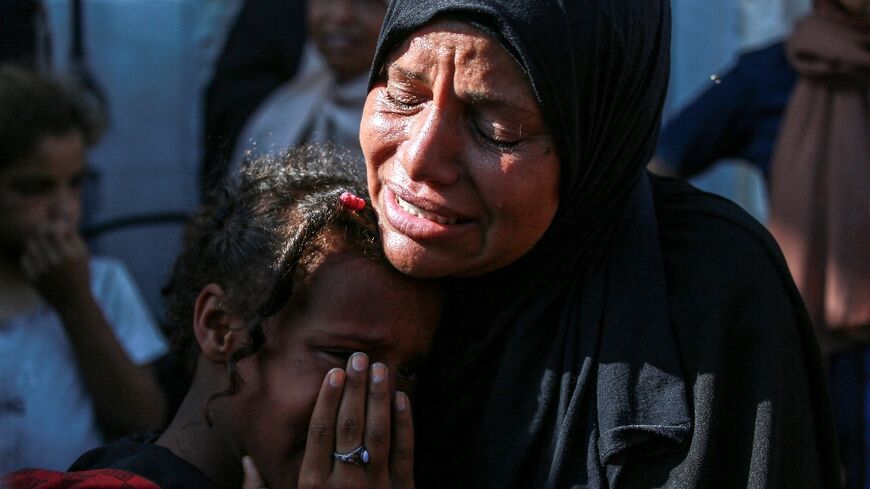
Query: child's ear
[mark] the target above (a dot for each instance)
(218, 331)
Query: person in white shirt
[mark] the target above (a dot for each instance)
(75, 336)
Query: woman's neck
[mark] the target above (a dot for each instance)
(202, 444)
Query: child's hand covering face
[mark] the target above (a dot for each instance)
(351, 305)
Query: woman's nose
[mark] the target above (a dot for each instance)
(431, 153)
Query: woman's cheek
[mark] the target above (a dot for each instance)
(389, 128)
(384, 135)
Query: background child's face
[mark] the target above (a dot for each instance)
(44, 189)
(353, 305)
(346, 33)
(858, 8)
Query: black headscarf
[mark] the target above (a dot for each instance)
(554, 370)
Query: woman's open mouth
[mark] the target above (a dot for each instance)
(418, 223)
(416, 211)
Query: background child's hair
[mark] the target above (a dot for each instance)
(259, 237)
(32, 107)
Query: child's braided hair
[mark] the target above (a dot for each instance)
(261, 236)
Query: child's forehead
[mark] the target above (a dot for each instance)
(356, 295)
(353, 271)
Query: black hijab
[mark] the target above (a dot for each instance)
(554, 370)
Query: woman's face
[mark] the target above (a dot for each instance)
(352, 304)
(461, 168)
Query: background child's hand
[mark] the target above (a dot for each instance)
(55, 261)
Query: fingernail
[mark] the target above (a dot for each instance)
(379, 372)
(401, 401)
(359, 362)
(336, 377)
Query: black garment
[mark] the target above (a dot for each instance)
(847, 374)
(653, 336)
(139, 455)
(262, 51)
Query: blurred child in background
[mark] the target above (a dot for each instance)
(75, 336)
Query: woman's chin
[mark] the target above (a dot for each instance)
(414, 259)
(427, 260)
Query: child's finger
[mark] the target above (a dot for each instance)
(350, 427)
(28, 266)
(76, 246)
(377, 430)
(45, 250)
(317, 461)
(67, 244)
(35, 257)
(253, 479)
(402, 448)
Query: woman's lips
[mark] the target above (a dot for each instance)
(418, 223)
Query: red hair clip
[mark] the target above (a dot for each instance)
(352, 202)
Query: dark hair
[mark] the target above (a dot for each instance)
(261, 236)
(32, 107)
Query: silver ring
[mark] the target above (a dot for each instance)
(357, 456)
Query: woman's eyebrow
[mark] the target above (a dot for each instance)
(489, 100)
(402, 72)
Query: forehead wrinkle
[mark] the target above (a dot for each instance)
(472, 55)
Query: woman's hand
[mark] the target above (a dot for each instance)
(355, 409)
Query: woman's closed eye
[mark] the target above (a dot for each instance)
(400, 101)
(488, 133)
